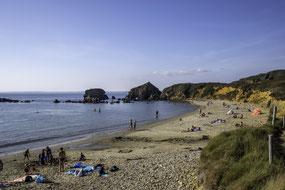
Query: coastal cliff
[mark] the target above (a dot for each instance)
(146, 91)
(265, 89)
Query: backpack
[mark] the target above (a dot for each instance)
(114, 168)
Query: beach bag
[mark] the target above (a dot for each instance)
(114, 168)
(28, 179)
(39, 179)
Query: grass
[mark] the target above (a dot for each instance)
(239, 160)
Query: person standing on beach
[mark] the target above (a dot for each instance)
(49, 154)
(99, 110)
(27, 154)
(156, 113)
(131, 124)
(135, 124)
(42, 157)
(1, 165)
(62, 158)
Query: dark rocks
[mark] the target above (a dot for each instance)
(146, 91)
(8, 100)
(113, 97)
(95, 95)
(56, 101)
(14, 101)
(74, 101)
(115, 102)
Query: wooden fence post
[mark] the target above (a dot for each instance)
(274, 114)
(270, 148)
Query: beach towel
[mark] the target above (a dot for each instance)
(79, 172)
(230, 112)
(88, 168)
(77, 165)
(70, 172)
(39, 179)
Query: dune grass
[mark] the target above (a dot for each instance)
(239, 160)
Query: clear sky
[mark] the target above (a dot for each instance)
(73, 45)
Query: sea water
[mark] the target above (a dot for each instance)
(42, 123)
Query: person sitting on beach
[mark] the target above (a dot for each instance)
(27, 154)
(27, 169)
(82, 157)
(202, 115)
(234, 116)
(42, 157)
(239, 125)
(1, 165)
(102, 171)
(62, 158)
(195, 128)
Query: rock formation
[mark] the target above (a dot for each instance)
(8, 100)
(95, 95)
(146, 91)
(56, 101)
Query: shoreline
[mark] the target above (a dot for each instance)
(86, 139)
(155, 156)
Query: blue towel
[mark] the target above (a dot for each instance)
(70, 172)
(88, 168)
(77, 165)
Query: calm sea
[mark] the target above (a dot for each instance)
(42, 123)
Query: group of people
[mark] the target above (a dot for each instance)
(133, 124)
(98, 110)
(46, 157)
(193, 129)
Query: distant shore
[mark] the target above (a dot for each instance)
(155, 156)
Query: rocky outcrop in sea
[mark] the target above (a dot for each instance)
(95, 95)
(14, 101)
(146, 91)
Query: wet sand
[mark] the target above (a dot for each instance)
(155, 156)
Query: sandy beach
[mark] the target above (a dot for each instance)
(155, 156)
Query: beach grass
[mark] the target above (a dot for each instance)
(239, 159)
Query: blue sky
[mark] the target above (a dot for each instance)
(73, 45)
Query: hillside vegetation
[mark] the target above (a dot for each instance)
(239, 160)
(265, 89)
